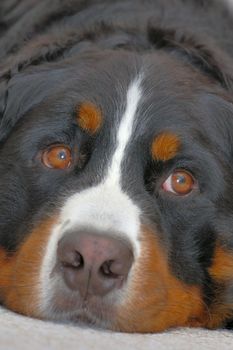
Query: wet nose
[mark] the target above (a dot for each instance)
(94, 264)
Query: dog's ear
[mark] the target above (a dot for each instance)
(210, 61)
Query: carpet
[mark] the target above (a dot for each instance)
(23, 333)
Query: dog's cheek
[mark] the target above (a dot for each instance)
(20, 272)
(156, 299)
(221, 272)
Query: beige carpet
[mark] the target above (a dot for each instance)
(22, 333)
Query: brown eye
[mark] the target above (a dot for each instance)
(180, 182)
(57, 157)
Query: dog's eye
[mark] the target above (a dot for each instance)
(57, 157)
(180, 182)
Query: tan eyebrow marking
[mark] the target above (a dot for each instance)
(165, 146)
(89, 117)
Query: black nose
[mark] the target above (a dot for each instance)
(94, 264)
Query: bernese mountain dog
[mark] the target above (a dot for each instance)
(116, 162)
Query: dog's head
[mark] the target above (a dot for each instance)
(116, 189)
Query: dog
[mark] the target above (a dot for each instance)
(116, 162)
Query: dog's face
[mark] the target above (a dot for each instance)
(116, 205)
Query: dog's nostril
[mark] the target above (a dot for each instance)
(75, 261)
(106, 269)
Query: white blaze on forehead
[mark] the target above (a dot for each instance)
(102, 208)
(124, 132)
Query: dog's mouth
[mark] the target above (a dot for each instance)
(93, 310)
(90, 316)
